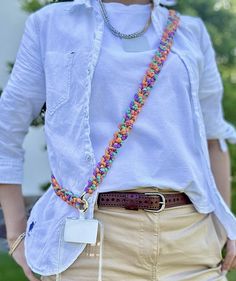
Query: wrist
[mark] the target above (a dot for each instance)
(15, 227)
(14, 234)
(12, 239)
(16, 243)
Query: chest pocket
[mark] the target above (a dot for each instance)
(58, 70)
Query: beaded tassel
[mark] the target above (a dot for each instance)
(129, 118)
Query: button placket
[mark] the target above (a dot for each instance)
(93, 57)
(88, 157)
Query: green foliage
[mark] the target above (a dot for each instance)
(45, 186)
(33, 5)
(232, 149)
(220, 22)
(9, 270)
(229, 78)
(9, 66)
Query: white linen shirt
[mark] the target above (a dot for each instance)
(56, 62)
(162, 150)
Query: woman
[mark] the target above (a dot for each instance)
(160, 214)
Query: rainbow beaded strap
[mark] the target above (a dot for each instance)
(128, 120)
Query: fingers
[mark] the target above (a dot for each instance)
(29, 274)
(19, 257)
(230, 255)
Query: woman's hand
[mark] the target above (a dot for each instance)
(230, 257)
(19, 256)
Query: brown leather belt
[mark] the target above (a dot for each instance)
(148, 201)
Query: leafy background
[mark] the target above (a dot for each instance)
(220, 19)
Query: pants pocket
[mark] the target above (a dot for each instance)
(220, 231)
(190, 236)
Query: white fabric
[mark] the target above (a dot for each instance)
(167, 2)
(161, 150)
(58, 55)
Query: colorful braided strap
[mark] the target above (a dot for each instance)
(128, 120)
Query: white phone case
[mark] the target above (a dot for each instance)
(81, 230)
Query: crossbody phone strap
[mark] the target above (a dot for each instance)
(128, 120)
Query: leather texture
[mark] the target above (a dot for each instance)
(136, 200)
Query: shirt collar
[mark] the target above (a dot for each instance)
(76, 3)
(88, 3)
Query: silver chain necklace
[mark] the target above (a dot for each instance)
(118, 33)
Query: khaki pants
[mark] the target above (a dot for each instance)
(177, 244)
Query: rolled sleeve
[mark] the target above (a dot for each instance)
(211, 95)
(21, 102)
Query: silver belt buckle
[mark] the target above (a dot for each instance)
(162, 202)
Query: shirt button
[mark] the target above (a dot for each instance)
(88, 157)
(86, 113)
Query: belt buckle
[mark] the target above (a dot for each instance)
(162, 203)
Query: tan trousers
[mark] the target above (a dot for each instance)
(177, 244)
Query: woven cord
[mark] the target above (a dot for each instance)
(129, 118)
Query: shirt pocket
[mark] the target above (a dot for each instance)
(58, 68)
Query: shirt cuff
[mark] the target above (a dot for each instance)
(11, 173)
(225, 131)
